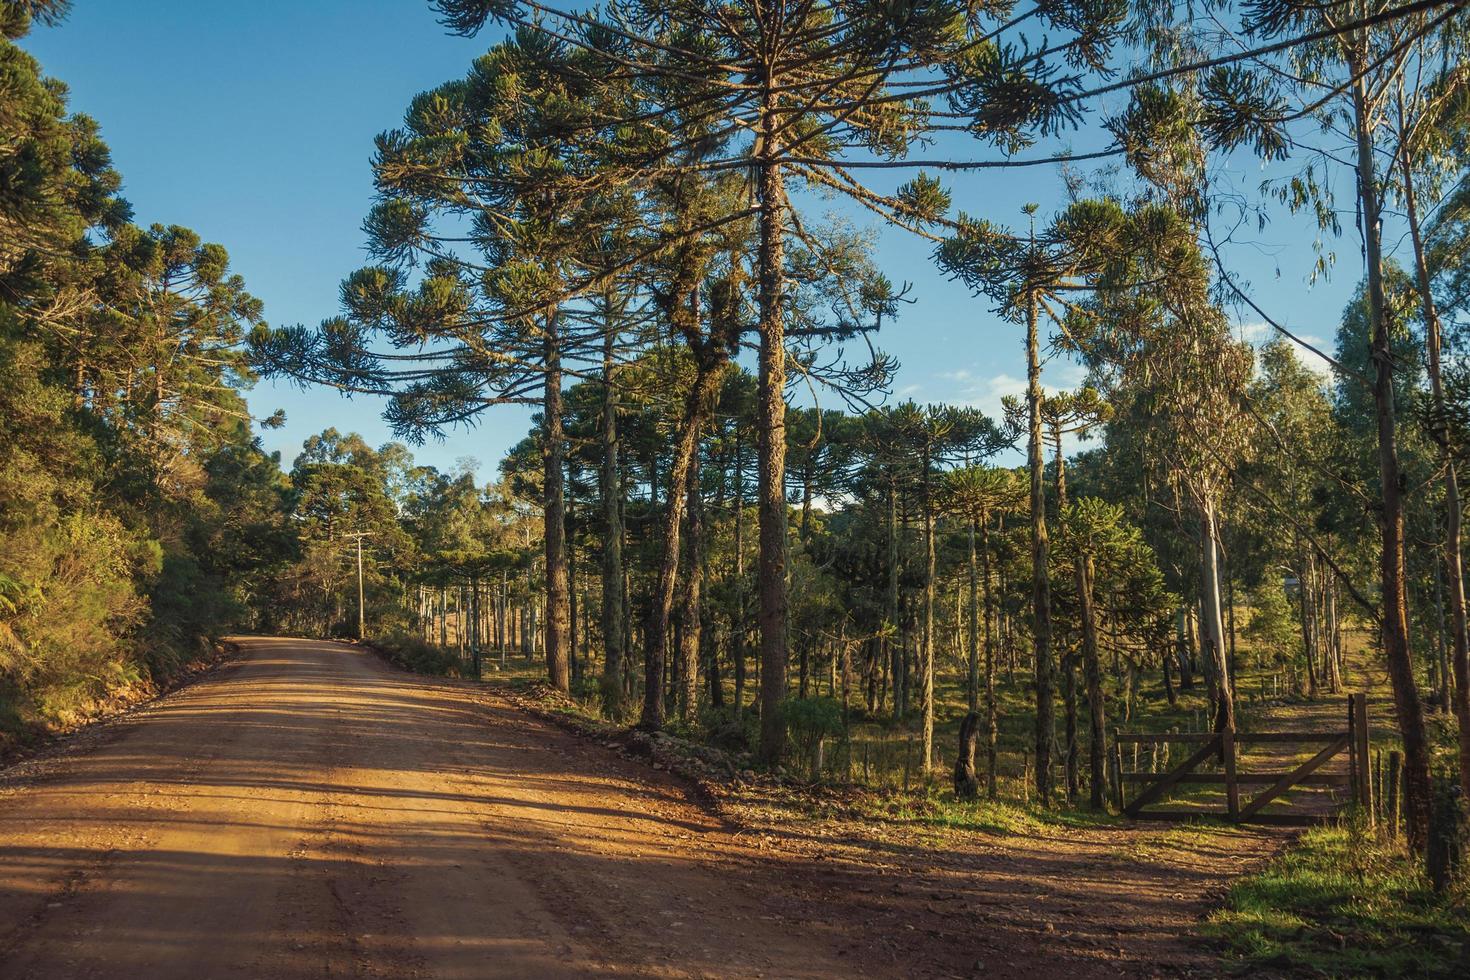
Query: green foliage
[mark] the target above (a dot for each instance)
(1271, 626)
(65, 642)
(810, 722)
(413, 653)
(1339, 903)
(727, 729)
(123, 537)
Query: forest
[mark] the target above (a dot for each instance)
(654, 224)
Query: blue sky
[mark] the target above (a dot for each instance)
(253, 124)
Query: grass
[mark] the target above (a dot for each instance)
(1336, 903)
(1341, 903)
(940, 809)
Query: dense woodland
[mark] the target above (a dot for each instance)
(721, 519)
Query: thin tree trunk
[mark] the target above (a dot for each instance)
(926, 666)
(1069, 659)
(686, 446)
(1040, 579)
(1212, 626)
(1097, 744)
(691, 603)
(572, 611)
(611, 489)
(895, 649)
(738, 624)
(710, 645)
(558, 598)
(1392, 575)
(992, 726)
(771, 432)
(973, 636)
(1453, 556)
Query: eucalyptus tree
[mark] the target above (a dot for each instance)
(1429, 124)
(340, 487)
(1353, 80)
(1151, 328)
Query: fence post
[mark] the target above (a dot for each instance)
(1117, 780)
(1355, 782)
(1395, 766)
(1232, 789)
(1360, 709)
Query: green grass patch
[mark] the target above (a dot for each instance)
(1340, 903)
(1007, 817)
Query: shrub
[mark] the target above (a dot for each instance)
(811, 721)
(724, 729)
(413, 653)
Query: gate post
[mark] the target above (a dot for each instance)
(1232, 788)
(1362, 780)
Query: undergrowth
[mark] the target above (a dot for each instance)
(1342, 903)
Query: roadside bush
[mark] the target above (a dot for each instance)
(811, 722)
(724, 729)
(412, 653)
(67, 604)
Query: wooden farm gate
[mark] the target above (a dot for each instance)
(1225, 748)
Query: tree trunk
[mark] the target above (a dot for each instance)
(1181, 650)
(771, 470)
(558, 599)
(1040, 579)
(1304, 615)
(895, 649)
(738, 624)
(709, 641)
(1212, 627)
(1395, 623)
(691, 604)
(992, 722)
(1097, 743)
(966, 785)
(926, 666)
(1069, 659)
(686, 446)
(1453, 557)
(611, 489)
(973, 636)
(572, 611)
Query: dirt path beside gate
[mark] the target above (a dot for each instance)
(309, 811)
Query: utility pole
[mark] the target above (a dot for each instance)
(361, 614)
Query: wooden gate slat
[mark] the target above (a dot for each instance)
(1161, 787)
(1285, 782)
(1354, 740)
(1335, 780)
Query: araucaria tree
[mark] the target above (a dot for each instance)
(809, 95)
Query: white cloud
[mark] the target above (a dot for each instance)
(1260, 333)
(1254, 333)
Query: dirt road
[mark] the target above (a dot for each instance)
(308, 811)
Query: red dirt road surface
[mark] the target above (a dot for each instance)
(308, 811)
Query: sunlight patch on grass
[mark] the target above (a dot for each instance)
(1341, 904)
